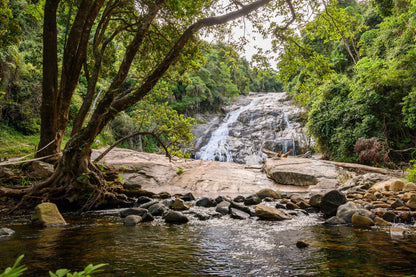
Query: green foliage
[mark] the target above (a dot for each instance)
(16, 270)
(88, 270)
(411, 172)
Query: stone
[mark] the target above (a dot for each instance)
(396, 185)
(175, 217)
(238, 214)
(364, 181)
(179, 205)
(347, 210)
(370, 196)
(147, 218)
(206, 202)
(164, 195)
(331, 201)
(148, 204)
(252, 200)
(397, 233)
(241, 207)
(296, 198)
(412, 202)
(239, 199)
(301, 244)
(202, 216)
(142, 200)
(292, 206)
(358, 220)
(264, 193)
(223, 208)
(405, 216)
(269, 213)
(47, 215)
(334, 220)
(41, 170)
(390, 216)
(157, 209)
(378, 221)
(397, 203)
(303, 205)
(167, 202)
(6, 232)
(187, 197)
(220, 199)
(132, 220)
(315, 200)
(133, 211)
(410, 187)
(268, 199)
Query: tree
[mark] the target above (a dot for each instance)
(155, 34)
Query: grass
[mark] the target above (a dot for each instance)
(15, 144)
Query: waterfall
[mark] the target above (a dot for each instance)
(217, 148)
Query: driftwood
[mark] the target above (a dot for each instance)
(365, 168)
(276, 155)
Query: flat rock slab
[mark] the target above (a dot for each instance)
(302, 172)
(203, 178)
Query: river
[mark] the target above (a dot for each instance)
(217, 247)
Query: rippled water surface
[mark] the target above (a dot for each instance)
(217, 247)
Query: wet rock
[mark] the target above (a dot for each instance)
(397, 203)
(268, 199)
(6, 232)
(390, 216)
(301, 244)
(239, 199)
(223, 208)
(164, 195)
(220, 199)
(241, 207)
(47, 215)
(167, 202)
(41, 170)
(346, 211)
(409, 187)
(157, 209)
(264, 193)
(175, 217)
(331, 201)
(269, 213)
(252, 200)
(296, 199)
(412, 202)
(303, 205)
(378, 221)
(361, 221)
(148, 204)
(334, 221)
(291, 206)
(143, 199)
(132, 220)
(147, 218)
(397, 233)
(133, 211)
(238, 214)
(179, 205)
(315, 200)
(280, 206)
(187, 197)
(206, 202)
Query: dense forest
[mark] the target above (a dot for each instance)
(353, 68)
(216, 76)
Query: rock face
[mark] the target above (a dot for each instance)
(269, 213)
(47, 215)
(260, 120)
(331, 201)
(301, 172)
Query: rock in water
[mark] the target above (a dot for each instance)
(132, 220)
(133, 211)
(179, 205)
(269, 213)
(301, 244)
(188, 197)
(268, 193)
(206, 202)
(361, 221)
(47, 215)
(6, 232)
(346, 211)
(331, 201)
(157, 209)
(315, 200)
(223, 208)
(252, 200)
(175, 217)
(238, 214)
(412, 202)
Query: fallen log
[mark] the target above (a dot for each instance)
(365, 168)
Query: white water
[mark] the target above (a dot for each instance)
(217, 148)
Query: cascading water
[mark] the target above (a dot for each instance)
(255, 122)
(217, 148)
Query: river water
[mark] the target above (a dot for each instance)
(217, 247)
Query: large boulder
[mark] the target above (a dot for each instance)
(47, 215)
(175, 217)
(41, 170)
(269, 213)
(268, 193)
(331, 201)
(347, 210)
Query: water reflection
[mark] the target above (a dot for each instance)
(219, 247)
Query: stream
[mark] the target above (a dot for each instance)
(217, 247)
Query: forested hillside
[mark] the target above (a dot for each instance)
(353, 68)
(215, 75)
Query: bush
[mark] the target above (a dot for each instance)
(411, 172)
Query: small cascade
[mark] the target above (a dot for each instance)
(217, 148)
(254, 122)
